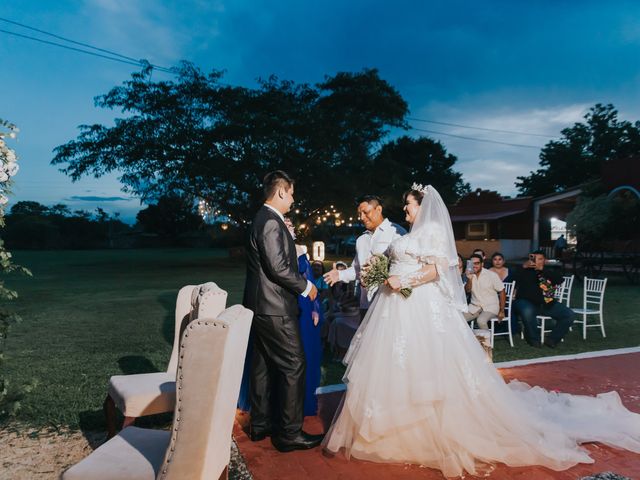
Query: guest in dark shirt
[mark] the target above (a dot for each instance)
(535, 288)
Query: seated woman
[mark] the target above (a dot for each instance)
(498, 266)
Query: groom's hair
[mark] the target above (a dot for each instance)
(372, 199)
(273, 181)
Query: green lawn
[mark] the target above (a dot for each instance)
(88, 315)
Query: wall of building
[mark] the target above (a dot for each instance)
(510, 248)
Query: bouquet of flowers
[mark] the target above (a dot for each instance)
(375, 273)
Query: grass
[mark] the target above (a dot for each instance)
(88, 315)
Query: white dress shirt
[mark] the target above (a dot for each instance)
(368, 244)
(309, 284)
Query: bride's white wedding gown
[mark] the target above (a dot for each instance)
(420, 390)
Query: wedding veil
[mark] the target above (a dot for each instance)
(431, 240)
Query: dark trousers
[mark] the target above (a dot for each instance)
(277, 376)
(526, 312)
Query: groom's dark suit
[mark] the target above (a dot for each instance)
(271, 290)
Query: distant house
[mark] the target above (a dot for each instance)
(484, 219)
(514, 226)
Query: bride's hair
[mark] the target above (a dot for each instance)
(417, 194)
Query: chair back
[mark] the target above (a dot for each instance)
(509, 290)
(182, 318)
(207, 387)
(190, 300)
(563, 291)
(208, 301)
(594, 293)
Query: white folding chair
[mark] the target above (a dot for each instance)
(509, 289)
(562, 295)
(593, 301)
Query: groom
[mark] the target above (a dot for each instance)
(271, 290)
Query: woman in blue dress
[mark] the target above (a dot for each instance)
(311, 317)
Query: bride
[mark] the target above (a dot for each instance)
(419, 388)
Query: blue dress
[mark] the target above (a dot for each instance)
(311, 343)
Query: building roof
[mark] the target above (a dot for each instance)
(487, 205)
(486, 216)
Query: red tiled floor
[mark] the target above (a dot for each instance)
(586, 376)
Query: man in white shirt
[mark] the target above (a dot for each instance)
(487, 294)
(375, 240)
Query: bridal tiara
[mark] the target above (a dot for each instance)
(418, 187)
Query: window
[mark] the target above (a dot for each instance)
(477, 230)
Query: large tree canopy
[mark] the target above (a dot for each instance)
(582, 151)
(196, 137)
(406, 160)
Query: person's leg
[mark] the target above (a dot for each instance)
(526, 312)
(260, 383)
(483, 319)
(468, 316)
(287, 355)
(563, 316)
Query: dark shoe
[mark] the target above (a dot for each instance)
(257, 435)
(303, 441)
(550, 343)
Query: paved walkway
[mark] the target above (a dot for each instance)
(581, 376)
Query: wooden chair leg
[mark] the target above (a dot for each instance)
(225, 474)
(109, 408)
(128, 421)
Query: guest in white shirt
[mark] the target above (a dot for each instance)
(487, 294)
(375, 240)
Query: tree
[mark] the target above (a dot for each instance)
(28, 207)
(170, 216)
(195, 137)
(580, 154)
(406, 160)
(599, 217)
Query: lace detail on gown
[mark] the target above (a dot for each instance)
(419, 391)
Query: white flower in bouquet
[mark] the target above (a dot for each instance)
(3, 176)
(375, 273)
(3, 199)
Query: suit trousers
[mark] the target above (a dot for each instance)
(277, 376)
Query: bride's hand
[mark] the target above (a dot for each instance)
(393, 282)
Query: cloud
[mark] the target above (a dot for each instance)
(495, 166)
(77, 198)
(137, 29)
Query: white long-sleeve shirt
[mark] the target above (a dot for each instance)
(368, 244)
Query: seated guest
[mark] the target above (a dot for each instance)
(334, 296)
(461, 267)
(487, 294)
(345, 324)
(535, 288)
(317, 267)
(498, 266)
(318, 271)
(479, 251)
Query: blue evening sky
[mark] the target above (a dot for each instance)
(521, 66)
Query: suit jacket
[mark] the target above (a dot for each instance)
(273, 281)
